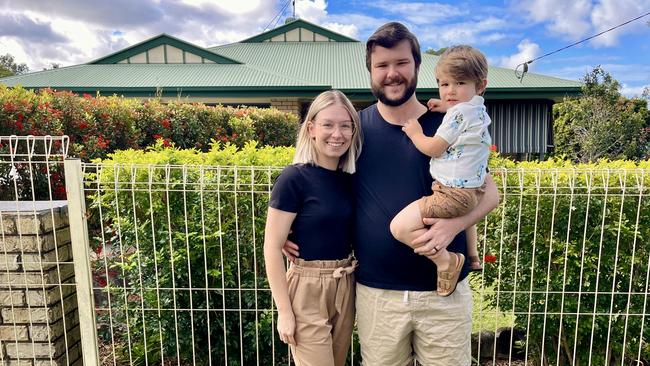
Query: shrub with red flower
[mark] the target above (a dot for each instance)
(490, 258)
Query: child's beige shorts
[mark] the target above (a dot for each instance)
(446, 202)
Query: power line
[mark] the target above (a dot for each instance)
(278, 15)
(524, 65)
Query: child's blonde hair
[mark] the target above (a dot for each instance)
(305, 148)
(463, 62)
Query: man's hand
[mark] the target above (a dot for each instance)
(436, 105)
(287, 326)
(438, 237)
(412, 128)
(290, 250)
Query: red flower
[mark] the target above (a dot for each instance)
(9, 107)
(59, 191)
(165, 123)
(87, 96)
(20, 117)
(19, 126)
(102, 143)
(489, 258)
(157, 137)
(101, 281)
(83, 125)
(166, 143)
(98, 250)
(493, 148)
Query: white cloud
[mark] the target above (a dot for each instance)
(527, 51)
(419, 12)
(483, 31)
(569, 18)
(610, 13)
(311, 10)
(349, 30)
(633, 91)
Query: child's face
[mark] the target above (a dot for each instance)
(454, 91)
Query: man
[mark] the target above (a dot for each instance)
(399, 314)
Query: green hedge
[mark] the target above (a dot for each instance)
(192, 229)
(542, 204)
(100, 125)
(569, 242)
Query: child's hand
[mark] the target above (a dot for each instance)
(412, 128)
(436, 105)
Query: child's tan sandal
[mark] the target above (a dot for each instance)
(475, 263)
(447, 280)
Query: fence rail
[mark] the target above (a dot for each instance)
(177, 273)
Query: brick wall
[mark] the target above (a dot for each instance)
(39, 323)
(290, 105)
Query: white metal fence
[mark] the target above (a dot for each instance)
(178, 277)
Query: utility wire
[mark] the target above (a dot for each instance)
(524, 65)
(278, 15)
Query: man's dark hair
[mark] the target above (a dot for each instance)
(388, 36)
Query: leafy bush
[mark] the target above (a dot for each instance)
(100, 125)
(601, 124)
(570, 249)
(186, 238)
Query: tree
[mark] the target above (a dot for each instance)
(438, 52)
(8, 66)
(601, 124)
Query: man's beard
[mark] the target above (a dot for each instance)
(378, 91)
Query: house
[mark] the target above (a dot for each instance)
(286, 68)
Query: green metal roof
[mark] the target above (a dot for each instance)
(156, 75)
(156, 41)
(298, 23)
(263, 68)
(342, 65)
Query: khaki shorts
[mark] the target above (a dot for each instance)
(395, 326)
(322, 297)
(446, 202)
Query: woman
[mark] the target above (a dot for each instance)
(311, 204)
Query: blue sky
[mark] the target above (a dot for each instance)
(69, 32)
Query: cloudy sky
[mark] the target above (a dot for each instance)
(69, 32)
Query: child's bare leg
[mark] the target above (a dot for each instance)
(472, 248)
(407, 225)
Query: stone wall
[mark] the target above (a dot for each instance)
(39, 322)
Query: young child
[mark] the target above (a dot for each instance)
(459, 153)
(312, 204)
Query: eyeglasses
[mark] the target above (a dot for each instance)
(346, 128)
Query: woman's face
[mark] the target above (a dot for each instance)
(332, 131)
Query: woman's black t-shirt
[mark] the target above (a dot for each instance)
(323, 201)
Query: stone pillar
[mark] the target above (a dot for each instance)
(290, 105)
(39, 323)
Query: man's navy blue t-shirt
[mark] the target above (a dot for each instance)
(323, 202)
(392, 173)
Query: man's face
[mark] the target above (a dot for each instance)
(393, 76)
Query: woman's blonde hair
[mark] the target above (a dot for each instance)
(305, 147)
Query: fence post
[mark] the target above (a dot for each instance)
(80, 254)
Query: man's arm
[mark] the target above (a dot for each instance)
(443, 231)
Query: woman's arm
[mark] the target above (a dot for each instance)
(278, 225)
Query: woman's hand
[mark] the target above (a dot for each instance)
(287, 326)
